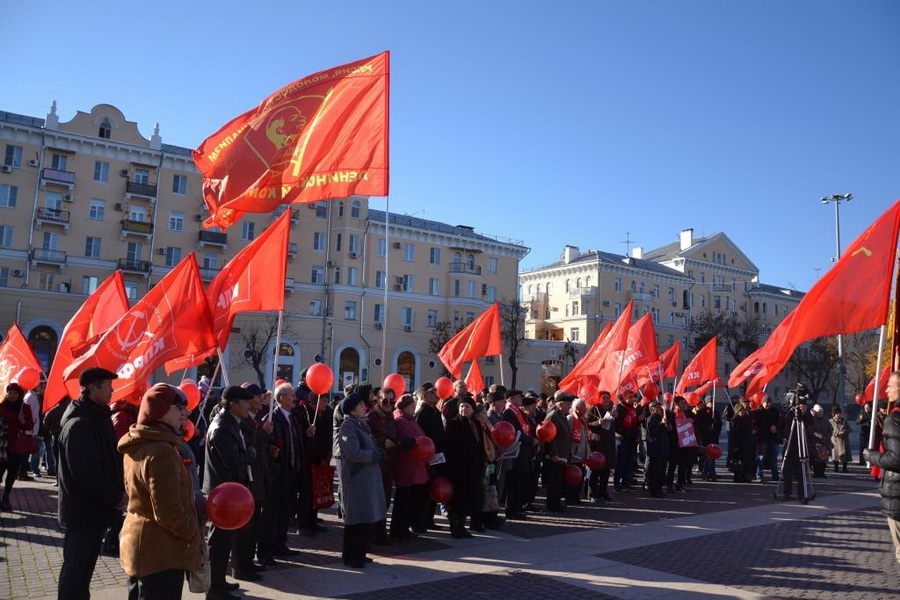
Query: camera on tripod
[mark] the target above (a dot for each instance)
(793, 398)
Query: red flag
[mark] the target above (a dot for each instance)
(702, 368)
(99, 312)
(170, 321)
(852, 296)
(882, 385)
(640, 351)
(480, 338)
(324, 136)
(474, 380)
(669, 360)
(251, 281)
(747, 368)
(15, 355)
(708, 386)
(592, 362)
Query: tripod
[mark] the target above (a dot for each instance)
(791, 462)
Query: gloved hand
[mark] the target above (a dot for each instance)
(251, 454)
(866, 452)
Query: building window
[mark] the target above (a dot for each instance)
(492, 266)
(703, 301)
(354, 243)
(575, 308)
(89, 284)
(321, 210)
(179, 184)
(470, 291)
(470, 316)
(248, 231)
(655, 313)
(575, 334)
(6, 235)
(717, 302)
(618, 284)
(432, 317)
(618, 309)
(702, 277)
(409, 252)
(355, 209)
(350, 310)
(434, 287)
(379, 279)
(656, 291)
(435, 258)
(173, 256)
(315, 308)
(105, 131)
(8, 195)
(319, 242)
(50, 241)
(352, 276)
(13, 156)
(176, 221)
(101, 171)
(59, 162)
(406, 316)
(456, 319)
(131, 290)
(142, 176)
(210, 261)
(408, 283)
(382, 247)
(338, 242)
(672, 294)
(137, 213)
(318, 275)
(45, 282)
(491, 293)
(92, 247)
(4, 276)
(337, 276)
(379, 313)
(456, 287)
(97, 210)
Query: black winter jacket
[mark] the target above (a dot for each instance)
(889, 461)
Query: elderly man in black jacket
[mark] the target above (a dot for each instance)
(556, 451)
(91, 481)
(889, 461)
(519, 476)
(228, 458)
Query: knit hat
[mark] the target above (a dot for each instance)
(350, 402)
(157, 401)
(405, 400)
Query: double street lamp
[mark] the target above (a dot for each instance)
(836, 199)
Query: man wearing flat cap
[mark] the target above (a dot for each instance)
(91, 482)
(228, 458)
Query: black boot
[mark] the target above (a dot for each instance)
(4, 504)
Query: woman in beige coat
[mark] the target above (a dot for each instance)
(161, 536)
(840, 439)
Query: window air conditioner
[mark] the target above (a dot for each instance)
(124, 172)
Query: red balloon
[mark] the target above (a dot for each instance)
(573, 475)
(692, 398)
(441, 490)
(444, 387)
(280, 381)
(650, 390)
(230, 505)
(860, 399)
(668, 397)
(545, 432)
(503, 434)
(595, 461)
(319, 378)
(713, 451)
(189, 429)
(28, 378)
(192, 392)
(424, 449)
(395, 382)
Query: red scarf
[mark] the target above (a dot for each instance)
(577, 430)
(520, 415)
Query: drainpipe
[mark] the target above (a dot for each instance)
(34, 207)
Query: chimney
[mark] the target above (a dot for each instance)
(637, 252)
(687, 238)
(570, 253)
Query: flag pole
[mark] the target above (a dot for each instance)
(277, 348)
(502, 377)
(208, 392)
(387, 279)
(221, 363)
(875, 391)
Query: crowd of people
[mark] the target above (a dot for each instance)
(132, 483)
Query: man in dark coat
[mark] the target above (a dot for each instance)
(602, 440)
(889, 462)
(519, 477)
(91, 480)
(556, 451)
(228, 458)
(381, 423)
(768, 437)
(627, 427)
(450, 407)
(429, 419)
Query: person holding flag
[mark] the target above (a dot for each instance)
(888, 461)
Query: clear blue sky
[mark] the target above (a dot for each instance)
(550, 122)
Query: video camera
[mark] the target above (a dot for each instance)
(793, 398)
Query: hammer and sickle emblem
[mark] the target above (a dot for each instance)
(135, 332)
(864, 250)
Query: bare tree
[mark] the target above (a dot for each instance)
(706, 325)
(816, 365)
(440, 335)
(740, 334)
(860, 356)
(257, 338)
(512, 332)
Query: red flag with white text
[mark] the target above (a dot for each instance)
(592, 363)
(701, 369)
(474, 380)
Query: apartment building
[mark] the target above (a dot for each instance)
(364, 289)
(573, 299)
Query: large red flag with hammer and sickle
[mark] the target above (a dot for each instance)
(172, 320)
(321, 137)
(15, 355)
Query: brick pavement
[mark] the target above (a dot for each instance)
(31, 553)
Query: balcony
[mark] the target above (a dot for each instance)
(292, 250)
(459, 267)
(132, 265)
(53, 216)
(146, 190)
(142, 228)
(722, 287)
(578, 292)
(66, 178)
(208, 273)
(295, 213)
(642, 296)
(214, 238)
(289, 284)
(49, 257)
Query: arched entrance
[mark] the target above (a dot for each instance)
(44, 341)
(348, 367)
(406, 366)
(286, 359)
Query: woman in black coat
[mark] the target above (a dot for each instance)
(465, 466)
(889, 461)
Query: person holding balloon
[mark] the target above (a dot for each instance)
(415, 450)
(557, 450)
(602, 440)
(577, 419)
(161, 537)
(428, 416)
(465, 463)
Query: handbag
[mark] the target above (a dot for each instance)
(200, 581)
(322, 486)
(24, 444)
(491, 502)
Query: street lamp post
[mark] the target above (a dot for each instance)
(836, 199)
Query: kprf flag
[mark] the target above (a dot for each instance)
(747, 368)
(474, 380)
(666, 366)
(852, 296)
(251, 281)
(578, 376)
(100, 311)
(480, 338)
(701, 369)
(172, 320)
(593, 361)
(15, 355)
(324, 136)
(640, 351)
